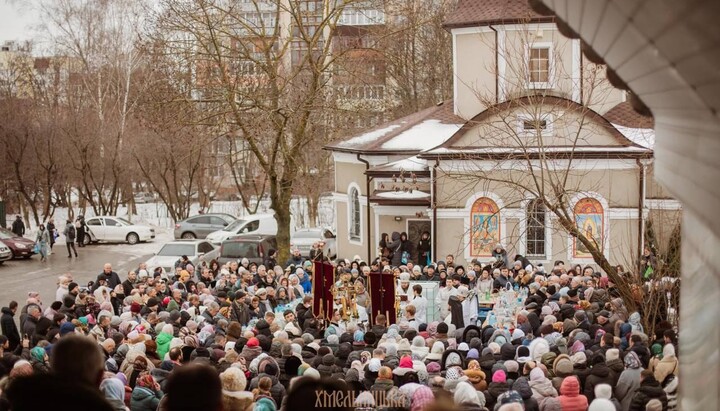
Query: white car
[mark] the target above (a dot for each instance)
(197, 251)
(116, 229)
(304, 238)
(5, 253)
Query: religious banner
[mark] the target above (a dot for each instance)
(322, 282)
(382, 296)
(589, 218)
(484, 227)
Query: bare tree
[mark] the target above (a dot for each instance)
(100, 39)
(262, 71)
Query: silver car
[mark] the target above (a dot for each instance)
(200, 226)
(197, 251)
(304, 238)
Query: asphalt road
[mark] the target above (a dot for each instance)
(17, 277)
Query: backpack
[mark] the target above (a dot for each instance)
(71, 233)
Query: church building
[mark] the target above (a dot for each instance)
(533, 129)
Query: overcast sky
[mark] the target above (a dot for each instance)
(17, 18)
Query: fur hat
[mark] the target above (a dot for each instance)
(233, 381)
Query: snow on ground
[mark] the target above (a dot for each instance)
(415, 194)
(157, 216)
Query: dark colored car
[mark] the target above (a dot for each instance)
(253, 247)
(20, 247)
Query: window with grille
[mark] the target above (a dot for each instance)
(354, 214)
(540, 66)
(535, 230)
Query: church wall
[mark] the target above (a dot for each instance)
(346, 173)
(475, 70)
(619, 187)
(347, 248)
(598, 94)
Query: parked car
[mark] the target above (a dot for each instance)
(253, 247)
(116, 229)
(20, 247)
(197, 251)
(262, 224)
(5, 253)
(304, 238)
(200, 226)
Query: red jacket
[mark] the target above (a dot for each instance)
(570, 398)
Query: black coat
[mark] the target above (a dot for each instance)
(9, 328)
(599, 374)
(649, 389)
(18, 227)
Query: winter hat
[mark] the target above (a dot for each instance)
(537, 374)
(577, 347)
(603, 391)
(494, 347)
(518, 334)
(602, 404)
(473, 353)
(403, 347)
(406, 362)
(265, 404)
(511, 365)
(653, 405)
(253, 342)
(334, 339)
(579, 358)
(499, 376)
(522, 354)
(546, 310)
(563, 366)
(612, 354)
(359, 336)
(374, 365)
(135, 308)
(433, 367)
(233, 382)
(67, 328)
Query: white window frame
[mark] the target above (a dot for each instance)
(350, 205)
(522, 246)
(541, 85)
(522, 118)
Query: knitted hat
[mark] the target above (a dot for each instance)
(579, 358)
(612, 354)
(473, 353)
(511, 366)
(433, 367)
(253, 342)
(499, 376)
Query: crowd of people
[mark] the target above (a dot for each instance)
(242, 336)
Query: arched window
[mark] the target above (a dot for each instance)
(589, 219)
(354, 204)
(484, 227)
(535, 235)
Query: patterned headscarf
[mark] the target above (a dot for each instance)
(146, 381)
(632, 360)
(38, 354)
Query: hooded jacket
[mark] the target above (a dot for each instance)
(522, 386)
(542, 388)
(143, 399)
(570, 397)
(627, 386)
(599, 374)
(649, 389)
(493, 392)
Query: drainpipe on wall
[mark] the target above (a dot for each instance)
(641, 208)
(497, 74)
(433, 204)
(367, 206)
